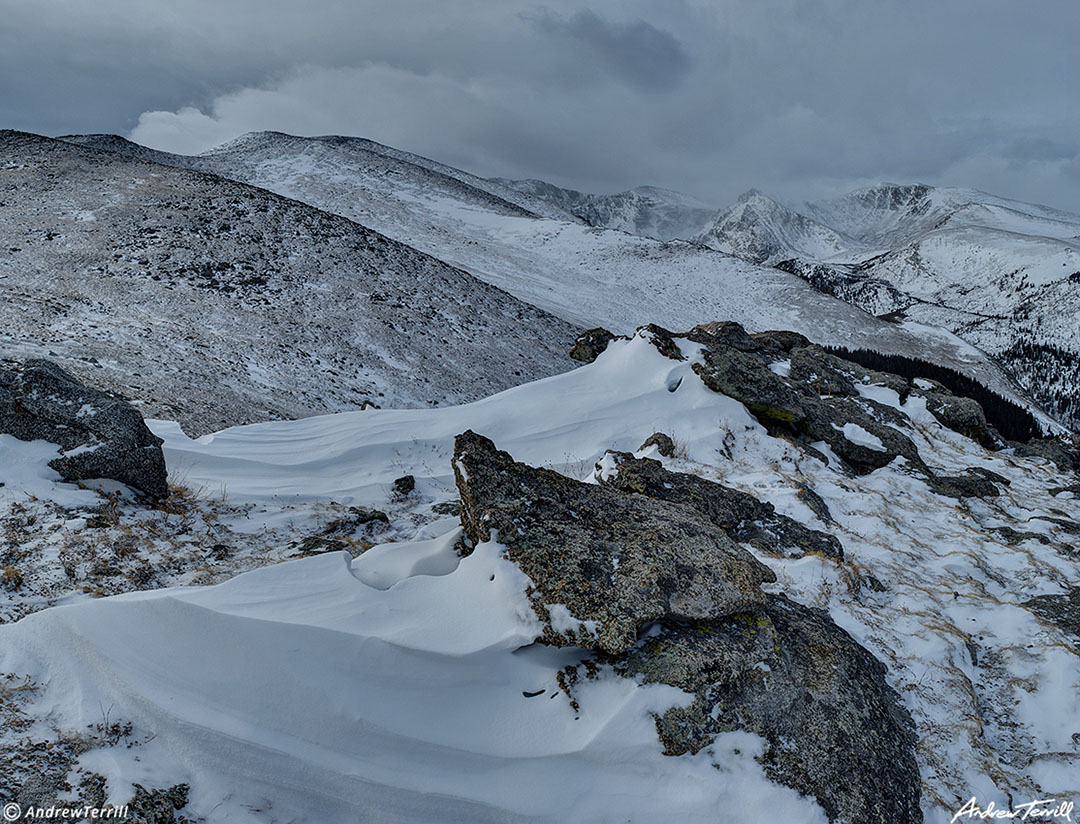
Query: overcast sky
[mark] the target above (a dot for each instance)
(799, 98)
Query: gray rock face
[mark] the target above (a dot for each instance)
(661, 580)
(100, 434)
(742, 516)
(835, 730)
(616, 560)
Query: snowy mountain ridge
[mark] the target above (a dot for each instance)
(585, 275)
(1001, 274)
(155, 280)
(649, 211)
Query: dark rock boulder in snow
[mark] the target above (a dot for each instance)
(742, 516)
(100, 434)
(834, 728)
(1063, 451)
(962, 415)
(663, 443)
(603, 563)
(651, 584)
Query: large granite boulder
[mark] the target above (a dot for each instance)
(100, 434)
(603, 563)
(660, 592)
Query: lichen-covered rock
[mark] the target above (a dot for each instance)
(100, 434)
(590, 344)
(644, 573)
(603, 563)
(742, 516)
(834, 728)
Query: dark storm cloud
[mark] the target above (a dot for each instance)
(639, 52)
(800, 98)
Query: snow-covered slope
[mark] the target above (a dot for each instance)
(403, 684)
(760, 230)
(888, 215)
(1003, 275)
(585, 275)
(648, 211)
(217, 303)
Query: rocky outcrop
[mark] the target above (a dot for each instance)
(797, 390)
(663, 443)
(742, 516)
(603, 563)
(648, 577)
(100, 434)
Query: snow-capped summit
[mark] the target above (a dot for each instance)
(762, 230)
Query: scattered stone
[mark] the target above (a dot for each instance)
(319, 545)
(1073, 488)
(816, 503)
(590, 344)
(100, 434)
(447, 508)
(1062, 451)
(742, 516)
(1013, 537)
(404, 485)
(663, 443)
(356, 517)
(1061, 610)
(602, 563)
(158, 806)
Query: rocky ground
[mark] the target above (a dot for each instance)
(851, 570)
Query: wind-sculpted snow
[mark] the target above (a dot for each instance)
(216, 303)
(403, 684)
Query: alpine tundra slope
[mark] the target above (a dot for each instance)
(217, 303)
